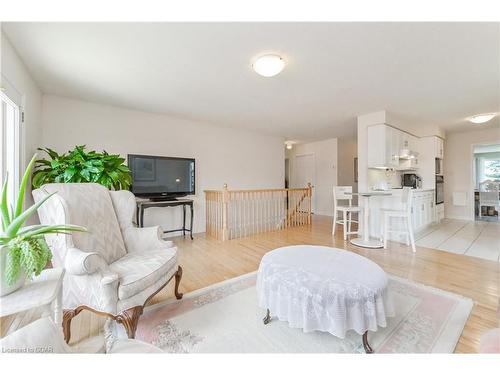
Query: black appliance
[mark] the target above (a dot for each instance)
(162, 178)
(411, 180)
(439, 166)
(439, 189)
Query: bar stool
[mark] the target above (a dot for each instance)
(344, 193)
(404, 214)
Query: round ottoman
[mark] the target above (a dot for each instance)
(319, 288)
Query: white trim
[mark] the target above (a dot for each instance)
(18, 144)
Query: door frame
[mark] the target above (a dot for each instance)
(472, 190)
(293, 173)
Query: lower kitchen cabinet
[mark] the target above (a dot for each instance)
(423, 211)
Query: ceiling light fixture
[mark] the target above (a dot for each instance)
(289, 144)
(480, 119)
(269, 65)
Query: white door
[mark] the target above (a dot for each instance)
(303, 173)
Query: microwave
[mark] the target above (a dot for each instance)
(411, 180)
(439, 166)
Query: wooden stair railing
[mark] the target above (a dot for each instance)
(240, 213)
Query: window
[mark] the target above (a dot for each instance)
(10, 145)
(491, 169)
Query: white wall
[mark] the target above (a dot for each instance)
(18, 82)
(239, 158)
(325, 158)
(347, 151)
(458, 171)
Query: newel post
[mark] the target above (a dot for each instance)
(309, 195)
(225, 203)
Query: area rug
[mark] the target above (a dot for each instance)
(225, 318)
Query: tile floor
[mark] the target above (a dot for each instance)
(479, 239)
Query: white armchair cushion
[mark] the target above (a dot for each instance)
(136, 239)
(145, 239)
(78, 262)
(137, 271)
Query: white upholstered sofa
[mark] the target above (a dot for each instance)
(115, 268)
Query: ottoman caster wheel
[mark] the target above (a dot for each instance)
(366, 345)
(267, 318)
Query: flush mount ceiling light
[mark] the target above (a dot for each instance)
(268, 65)
(480, 119)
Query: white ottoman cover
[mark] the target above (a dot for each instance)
(319, 288)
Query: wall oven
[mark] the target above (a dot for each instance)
(439, 166)
(439, 189)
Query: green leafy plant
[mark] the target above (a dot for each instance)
(79, 165)
(25, 246)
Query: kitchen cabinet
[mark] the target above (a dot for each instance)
(437, 147)
(409, 142)
(384, 144)
(423, 211)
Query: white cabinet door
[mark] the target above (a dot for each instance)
(394, 139)
(415, 213)
(384, 145)
(376, 146)
(439, 147)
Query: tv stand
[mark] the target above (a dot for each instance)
(163, 199)
(144, 204)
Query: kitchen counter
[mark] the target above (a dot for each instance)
(401, 190)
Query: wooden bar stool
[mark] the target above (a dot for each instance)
(344, 193)
(404, 214)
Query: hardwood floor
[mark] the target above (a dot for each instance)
(207, 261)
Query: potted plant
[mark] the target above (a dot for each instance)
(79, 165)
(23, 250)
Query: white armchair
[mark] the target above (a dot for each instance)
(114, 269)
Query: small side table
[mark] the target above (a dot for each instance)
(143, 204)
(44, 290)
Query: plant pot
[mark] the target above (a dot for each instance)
(4, 287)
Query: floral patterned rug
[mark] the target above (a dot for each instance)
(225, 318)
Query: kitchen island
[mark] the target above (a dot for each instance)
(423, 210)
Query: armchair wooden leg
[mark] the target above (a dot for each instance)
(66, 323)
(178, 277)
(129, 318)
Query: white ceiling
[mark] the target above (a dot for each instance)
(431, 73)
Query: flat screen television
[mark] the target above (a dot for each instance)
(160, 177)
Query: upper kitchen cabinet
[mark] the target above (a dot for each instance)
(409, 142)
(389, 147)
(439, 147)
(383, 146)
(433, 146)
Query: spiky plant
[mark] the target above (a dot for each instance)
(25, 246)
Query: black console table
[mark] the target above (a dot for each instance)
(143, 204)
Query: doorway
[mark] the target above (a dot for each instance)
(486, 182)
(304, 173)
